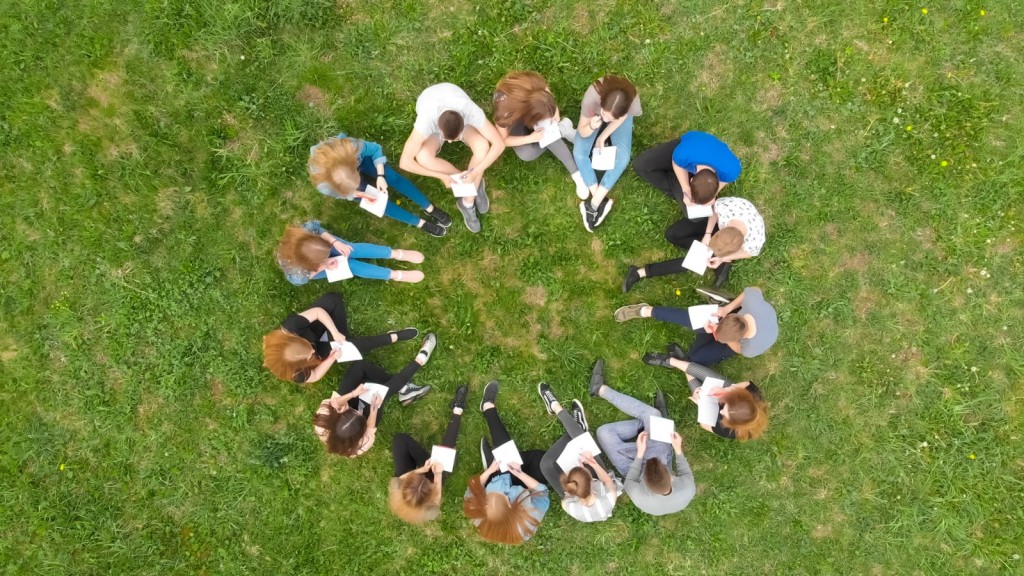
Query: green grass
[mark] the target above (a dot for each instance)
(148, 170)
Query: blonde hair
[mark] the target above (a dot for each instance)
(726, 241)
(412, 498)
(731, 328)
(577, 482)
(287, 355)
(336, 164)
(300, 248)
(748, 416)
(526, 100)
(496, 518)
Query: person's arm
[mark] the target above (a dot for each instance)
(485, 476)
(513, 141)
(730, 307)
(317, 373)
(683, 467)
(634, 469)
(318, 314)
(438, 471)
(603, 476)
(712, 222)
(525, 478)
(612, 127)
(684, 182)
(409, 163)
(717, 261)
(588, 124)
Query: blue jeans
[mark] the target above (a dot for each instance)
(362, 269)
(622, 139)
(618, 439)
(400, 184)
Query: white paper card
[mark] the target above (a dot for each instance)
(341, 271)
(707, 405)
(371, 390)
(507, 454)
(661, 429)
(603, 158)
(570, 457)
(463, 189)
(697, 258)
(444, 456)
(349, 352)
(377, 202)
(699, 315)
(697, 211)
(551, 135)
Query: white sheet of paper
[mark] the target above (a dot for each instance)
(349, 352)
(551, 135)
(507, 454)
(570, 457)
(603, 158)
(373, 390)
(707, 405)
(377, 205)
(444, 456)
(699, 315)
(340, 272)
(697, 258)
(661, 429)
(463, 189)
(697, 211)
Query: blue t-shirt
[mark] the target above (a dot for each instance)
(702, 148)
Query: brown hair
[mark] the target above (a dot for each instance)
(726, 241)
(337, 155)
(617, 94)
(302, 249)
(496, 518)
(345, 429)
(286, 354)
(526, 99)
(656, 476)
(731, 328)
(577, 482)
(704, 186)
(451, 124)
(747, 415)
(412, 498)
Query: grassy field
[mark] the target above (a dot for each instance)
(152, 153)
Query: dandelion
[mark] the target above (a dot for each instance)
(923, 445)
(679, 292)
(933, 156)
(242, 56)
(885, 19)
(970, 291)
(944, 163)
(974, 368)
(982, 12)
(909, 127)
(398, 201)
(61, 467)
(924, 11)
(971, 456)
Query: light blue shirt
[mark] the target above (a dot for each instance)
(293, 273)
(537, 506)
(364, 150)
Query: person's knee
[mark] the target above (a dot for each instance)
(400, 441)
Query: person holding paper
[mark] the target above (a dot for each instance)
(445, 113)
(606, 114)
(347, 421)
(527, 118)
(414, 494)
(349, 169)
(309, 252)
(505, 507)
(644, 463)
(734, 231)
(582, 498)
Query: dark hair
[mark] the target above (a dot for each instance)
(617, 94)
(344, 429)
(656, 476)
(451, 124)
(704, 186)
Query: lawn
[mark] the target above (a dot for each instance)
(153, 152)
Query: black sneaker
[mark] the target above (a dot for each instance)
(433, 229)
(461, 395)
(490, 394)
(405, 334)
(579, 415)
(587, 214)
(676, 351)
(657, 359)
(660, 404)
(632, 277)
(596, 378)
(716, 296)
(722, 274)
(411, 393)
(602, 212)
(442, 217)
(544, 389)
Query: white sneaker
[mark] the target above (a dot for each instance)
(566, 130)
(582, 191)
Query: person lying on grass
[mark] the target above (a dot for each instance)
(307, 252)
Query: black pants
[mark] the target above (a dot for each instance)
(334, 305)
(499, 436)
(707, 351)
(408, 455)
(549, 463)
(363, 371)
(655, 166)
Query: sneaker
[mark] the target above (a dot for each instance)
(582, 191)
(484, 449)
(602, 212)
(586, 214)
(442, 217)
(469, 215)
(632, 277)
(490, 394)
(722, 274)
(411, 393)
(544, 389)
(405, 334)
(429, 343)
(461, 395)
(657, 359)
(433, 229)
(596, 378)
(714, 296)
(566, 130)
(631, 312)
(483, 203)
(676, 351)
(660, 404)
(579, 415)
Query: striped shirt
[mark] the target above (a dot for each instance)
(601, 509)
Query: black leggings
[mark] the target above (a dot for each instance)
(408, 455)
(655, 166)
(499, 436)
(363, 371)
(334, 305)
(549, 463)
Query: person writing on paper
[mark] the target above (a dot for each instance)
(343, 167)
(606, 114)
(742, 416)
(505, 507)
(734, 231)
(414, 494)
(644, 463)
(525, 112)
(308, 252)
(347, 421)
(746, 325)
(583, 498)
(445, 113)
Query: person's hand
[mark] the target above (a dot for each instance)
(358, 391)
(493, 467)
(587, 458)
(600, 142)
(595, 121)
(377, 401)
(537, 136)
(345, 250)
(435, 467)
(382, 184)
(716, 392)
(710, 327)
(714, 262)
(331, 264)
(677, 442)
(333, 355)
(641, 444)
(337, 402)
(447, 180)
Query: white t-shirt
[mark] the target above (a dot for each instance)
(440, 98)
(604, 503)
(733, 208)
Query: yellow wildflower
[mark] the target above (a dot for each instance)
(924, 11)
(943, 163)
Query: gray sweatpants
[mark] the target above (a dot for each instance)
(532, 151)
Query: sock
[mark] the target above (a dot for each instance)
(457, 411)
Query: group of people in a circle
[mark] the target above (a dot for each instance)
(509, 498)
